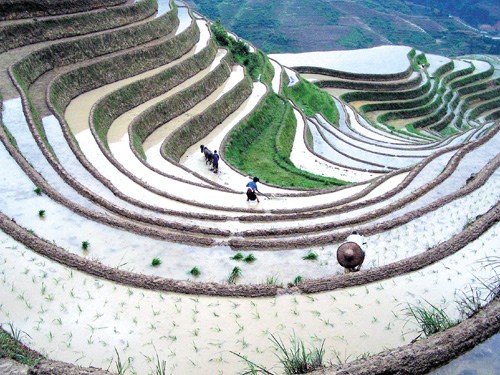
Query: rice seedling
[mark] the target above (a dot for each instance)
(195, 271)
(235, 273)
(250, 258)
(310, 256)
(237, 256)
(121, 368)
(41, 213)
(430, 319)
(37, 190)
(155, 262)
(160, 365)
(85, 245)
(297, 280)
(273, 280)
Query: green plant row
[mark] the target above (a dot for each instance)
(484, 108)
(459, 73)
(72, 52)
(472, 78)
(200, 126)
(28, 9)
(386, 95)
(435, 116)
(469, 89)
(413, 112)
(354, 76)
(417, 102)
(397, 105)
(493, 116)
(73, 83)
(353, 85)
(20, 34)
(443, 123)
(164, 111)
(138, 92)
(311, 100)
(261, 145)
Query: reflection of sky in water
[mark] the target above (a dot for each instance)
(482, 360)
(184, 20)
(163, 7)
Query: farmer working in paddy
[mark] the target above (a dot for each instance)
(351, 253)
(252, 190)
(215, 162)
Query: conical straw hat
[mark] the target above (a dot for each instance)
(350, 255)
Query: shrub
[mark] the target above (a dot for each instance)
(195, 271)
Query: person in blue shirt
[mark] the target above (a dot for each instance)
(215, 162)
(252, 190)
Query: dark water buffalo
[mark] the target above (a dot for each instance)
(209, 155)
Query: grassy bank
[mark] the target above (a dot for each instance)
(311, 100)
(261, 146)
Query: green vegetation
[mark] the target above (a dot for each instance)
(237, 256)
(261, 146)
(195, 271)
(311, 100)
(11, 346)
(235, 274)
(85, 245)
(430, 319)
(37, 190)
(250, 258)
(297, 280)
(256, 63)
(295, 359)
(41, 213)
(310, 256)
(156, 262)
(356, 38)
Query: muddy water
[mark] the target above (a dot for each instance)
(76, 318)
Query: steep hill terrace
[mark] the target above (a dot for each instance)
(118, 241)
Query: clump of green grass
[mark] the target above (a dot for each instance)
(156, 262)
(237, 256)
(41, 213)
(273, 280)
(37, 190)
(250, 258)
(235, 273)
(12, 347)
(122, 368)
(195, 271)
(85, 245)
(310, 256)
(296, 359)
(430, 319)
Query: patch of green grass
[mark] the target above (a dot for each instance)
(296, 359)
(261, 146)
(430, 319)
(156, 262)
(310, 256)
(311, 100)
(41, 213)
(195, 271)
(37, 190)
(85, 245)
(11, 346)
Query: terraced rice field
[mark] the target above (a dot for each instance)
(102, 173)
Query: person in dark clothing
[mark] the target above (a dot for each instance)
(215, 162)
(252, 190)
